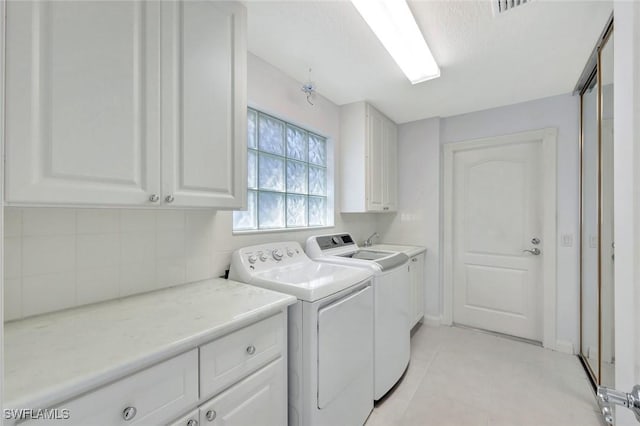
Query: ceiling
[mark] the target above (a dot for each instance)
(533, 51)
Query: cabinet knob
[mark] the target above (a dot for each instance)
(385, 208)
(251, 349)
(169, 198)
(192, 422)
(154, 198)
(415, 259)
(211, 415)
(129, 413)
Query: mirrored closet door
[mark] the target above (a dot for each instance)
(597, 247)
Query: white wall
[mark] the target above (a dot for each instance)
(418, 219)
(420, 143)
(58, 258)
(627, 199)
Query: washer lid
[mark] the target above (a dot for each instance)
(385, 259)
(342, 249)
(310, 281)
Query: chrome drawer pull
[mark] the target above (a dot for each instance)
(129, 413)
(211, 415)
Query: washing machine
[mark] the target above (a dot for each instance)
(330, 331)
(391, 297)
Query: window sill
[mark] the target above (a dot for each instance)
(280, 230)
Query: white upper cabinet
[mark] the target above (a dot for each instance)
(390, 167)
(368, 147)
(204, 115)
(125, 103)
(82, 102)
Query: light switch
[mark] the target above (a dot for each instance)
(566, 240)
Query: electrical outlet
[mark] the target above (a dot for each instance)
(566, 240)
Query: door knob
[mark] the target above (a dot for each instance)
(535, 251)
(609, 397)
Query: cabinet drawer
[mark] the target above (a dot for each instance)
(156, 394)
(260, 399)
(228, 359)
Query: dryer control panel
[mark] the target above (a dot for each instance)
(263, 257)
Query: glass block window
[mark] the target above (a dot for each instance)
(287, 176)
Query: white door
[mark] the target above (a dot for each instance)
(82, 102)
(497, 213)
(204, 104)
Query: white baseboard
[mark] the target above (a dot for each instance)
(433, 320)
(564, 346)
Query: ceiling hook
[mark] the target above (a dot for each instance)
(309, 88)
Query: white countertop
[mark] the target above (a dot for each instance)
(408, 250)
(51, 358)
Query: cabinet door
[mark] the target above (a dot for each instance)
(375, 152)
(390, 166)
(417, 288)
(191, 419)
(204, 104)
(258, 399)
(82, 102)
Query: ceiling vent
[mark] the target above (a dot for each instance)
(502, 6)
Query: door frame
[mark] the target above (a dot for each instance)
(548, 138)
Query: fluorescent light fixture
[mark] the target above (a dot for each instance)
(394, 25)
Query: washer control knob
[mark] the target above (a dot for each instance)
(277, 254)
(253, 259)
(262, 256)
(336, 240)
(289, 252)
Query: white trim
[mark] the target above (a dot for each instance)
(432, 320)
(627, 200)
(3, 38)
(565, 347)
(548, 138)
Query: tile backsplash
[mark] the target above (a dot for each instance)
(57, 258)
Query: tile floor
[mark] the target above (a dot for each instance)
(462, 377)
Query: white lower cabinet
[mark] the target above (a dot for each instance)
(416, 279)
(256, 399)
(244, 372)
(234, 356)
(148, 397)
